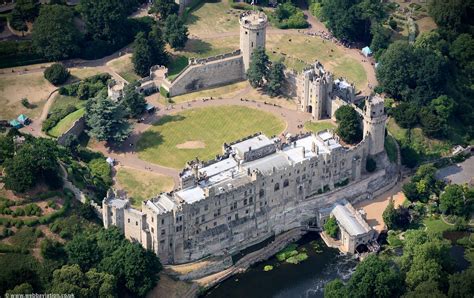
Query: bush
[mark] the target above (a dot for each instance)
(87, 88)
(164, 92)
(17, 53)
(331, 228)
(56, 74)
(393, 24)
(57, 116)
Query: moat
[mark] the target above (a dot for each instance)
(306, 279)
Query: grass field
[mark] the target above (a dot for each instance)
(213, 17)
(66, 123)
(309, 49)
(226, 91)
(203, 48)
(124, 67)
(13, 88)
(82, 73)
(175, 66)
(319, 126)
(209, 127)
(61, 102)
(141, 185)
(436, 225)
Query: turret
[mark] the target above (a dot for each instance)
(253, 25)
(374, 124)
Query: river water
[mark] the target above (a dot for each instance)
(306, 279)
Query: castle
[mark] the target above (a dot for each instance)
(259, 187)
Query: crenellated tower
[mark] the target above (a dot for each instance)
(374, 124)
(253, 26)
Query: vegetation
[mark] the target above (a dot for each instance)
(457, 200)
(396, 219)
(65, 123)
(318, 126)
(54, 118)
(423, 184)
(276, 77)
(175, 32)
(258, 68)
(133, 102)
(87, 88)
(106, 120)
(55, 42)
(288, 16)
(56, 74)
(370, 165)
(149, 50)
(164, 8)
(166, 142)
(349, 128)
(331, 227)
(34, 161)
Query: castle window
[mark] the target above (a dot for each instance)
(129, 220)
(247, 211)
(250, 200)
(303, 177)
(136, 223)
(286, 183)
(300, 190)
(246, 32)
(229, 218)
(257, 33)
(277, 187)
(152, 219)
(162, 221)
(261, 193)
(252, 44)
(197, 220)
(152, 230)
(245, 202)
(206, 207)
(163, 232)
(236, 216)
(203, 218)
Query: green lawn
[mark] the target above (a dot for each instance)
(226, 91)
(141, 185)
(319, 126)
(61, 102)
(213, 17)
(124, 67)
(436, 225)
(176, 139)
(66, 123)
(177, 64)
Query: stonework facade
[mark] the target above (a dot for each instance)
(259, 187)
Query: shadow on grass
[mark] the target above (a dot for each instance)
(151, 139)
(198, 46)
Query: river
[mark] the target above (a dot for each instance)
(306, 279)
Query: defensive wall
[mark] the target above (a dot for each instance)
(206, 73)
(75, 130)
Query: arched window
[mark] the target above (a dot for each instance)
(261, 193)
(277, 187)
(286, 183)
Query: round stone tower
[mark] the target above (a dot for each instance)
(374, 124)
(253, 25)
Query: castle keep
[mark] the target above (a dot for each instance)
(259, 187)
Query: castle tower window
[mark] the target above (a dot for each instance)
(250, 200)
(136, 223)
(163, 232)
(245, 202)
(286, 183)
(261, 193)
(162, 221)
(152, 230)
(152, 219)
(129, 220)
(277, 187)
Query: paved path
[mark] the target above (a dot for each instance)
(126, 153)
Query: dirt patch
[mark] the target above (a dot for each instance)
(375, 208)
(191, 145)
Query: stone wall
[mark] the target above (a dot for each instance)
(206, 73)
(76, 129)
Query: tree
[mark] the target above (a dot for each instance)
(175, 32)
(83, 250)
(462, 52)
(54, 35)
(411, 74)
(396, 218)
(342, 19)
(51, 249)
(405, 114)
(335, 289)
(426, 289)
(106, 20)
(258, 68)
(160, 56)
(433, 125)
(452, 14)
(26, 9)
(133, 101)
(56, 74)
(461, 285)
(331, 227)
(21, 289)
(106, 120)
(380, 39)
(35, 161)
(276, 77)
(375, 277)
(453, 202)
(165, 8)
(7, 148)
(349, 128)
(70, 279)
(134, 267)
(142, 55)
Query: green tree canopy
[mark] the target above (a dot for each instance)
(142, 58)
(276, 77)
(133, 101)
(83, 250)
(54, 35)
(453, 201)
(258, 68)
(349, 127)
(175, 32)
(56, 74)
(106, 120)
(455, 15)
(331, 227)
(165, 8)
(7, 148)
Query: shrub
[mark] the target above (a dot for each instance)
(56, 74)
(393, 24)
(331, 227)
(164, 92)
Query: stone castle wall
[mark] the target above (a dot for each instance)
(206, 73)
(76, 129)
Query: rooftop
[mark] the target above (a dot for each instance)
(350, 220)
(254, 143)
